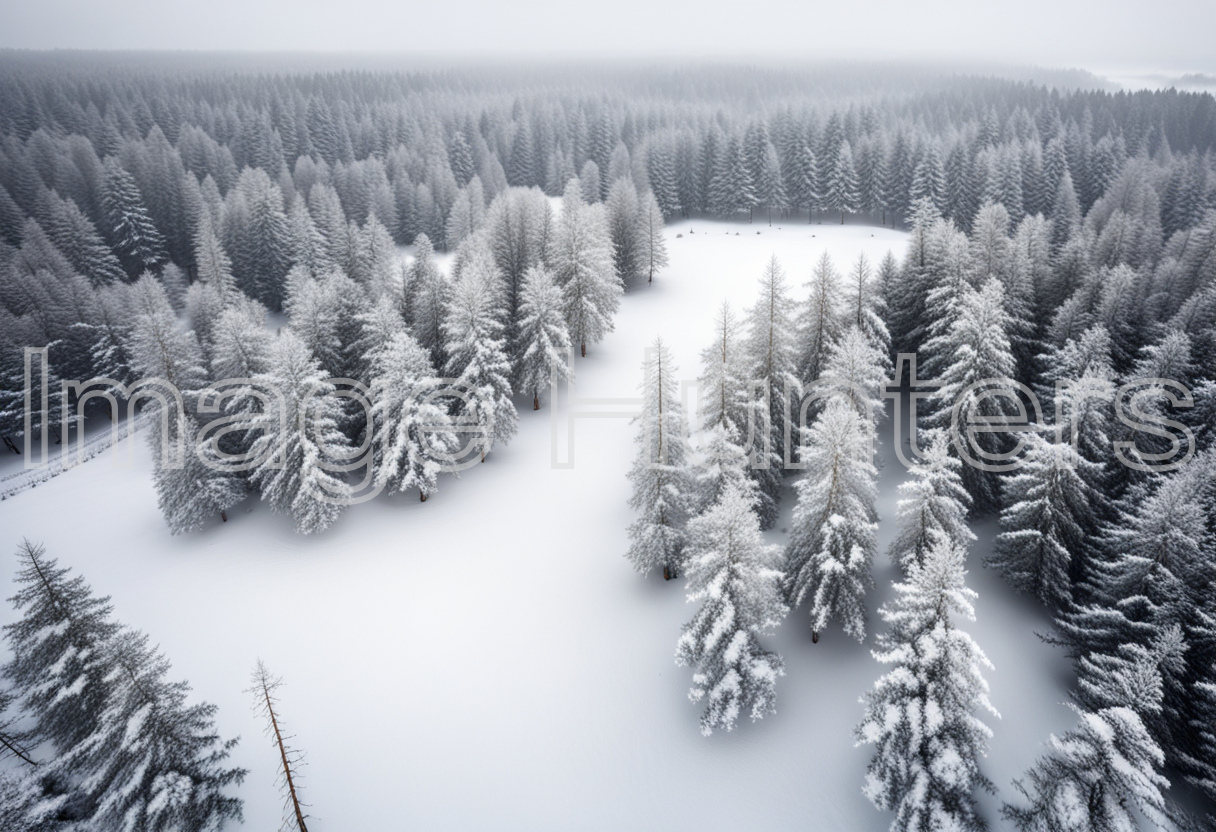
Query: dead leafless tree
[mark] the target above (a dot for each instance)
(266, 702)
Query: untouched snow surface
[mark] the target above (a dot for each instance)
(488, 660)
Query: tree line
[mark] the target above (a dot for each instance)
(1119, 551)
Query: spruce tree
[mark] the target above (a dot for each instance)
(864, 305)
(652, 250)
(582, 263)
(74, 234)
(544, 341)
(853, 372)
(736, 577)
(660, 476)
(297, 447)
(1045, 520)
(933, 503)
(58, 666)
(153, 762)
(132, 233)
(1100, 776)
(477, 359)
(772, 387)
(411, 422)
(426, 292)
(832, 542)
(978, 350)
(240, 341)
(819, 323)
(923, 715)
(841, 184)
(134, 754)
(622, 210)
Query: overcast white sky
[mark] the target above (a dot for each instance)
(1166, 34)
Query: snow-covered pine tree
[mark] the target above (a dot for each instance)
(770, 359)
(722, 466)
(736, 577)
(518, 234)
(979, 352)
(854, 371)
(309, 248)
(314, 313)
(1100, 776)
(74, 234)
(841, 185)
(410, 420)
(377, 326)
(213, 265)
(203, 307)
(582, 264)
(133, 235)
(621, 208)
(134, 754)
(652, 250)
(1047, 522)
(196, 491)
(240, 341)
(948, 272)
(376, 257)
(723, 412)
(153, 762)
(426, 297)
(660, 476)
(933, 502)
(477, 358)
(301, 432)
(1157, 577)
(189, 491)
(819, 322)
(57, 669)
(864, 307)
(723, 381)
(923, 715)
(544, 341)
(832, 542)
(258, 237)
(770, 188)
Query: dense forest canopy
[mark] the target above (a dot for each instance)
(197, 221)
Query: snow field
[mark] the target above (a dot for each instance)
(488, 660)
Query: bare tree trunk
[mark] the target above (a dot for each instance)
(814, 636)
(17, 750)
(421, 496)
(584, 346)
(264, 686)
(224, 516)
(536, 400)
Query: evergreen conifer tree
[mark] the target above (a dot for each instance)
(544, 341)
(737, 578)
(832, 543)
(922, 715)
(660, 476)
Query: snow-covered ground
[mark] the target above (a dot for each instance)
(488, 660)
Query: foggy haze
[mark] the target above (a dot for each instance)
(1114, 36)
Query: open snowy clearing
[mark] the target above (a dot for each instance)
(488, 659)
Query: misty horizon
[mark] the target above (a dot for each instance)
(1126, 38)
